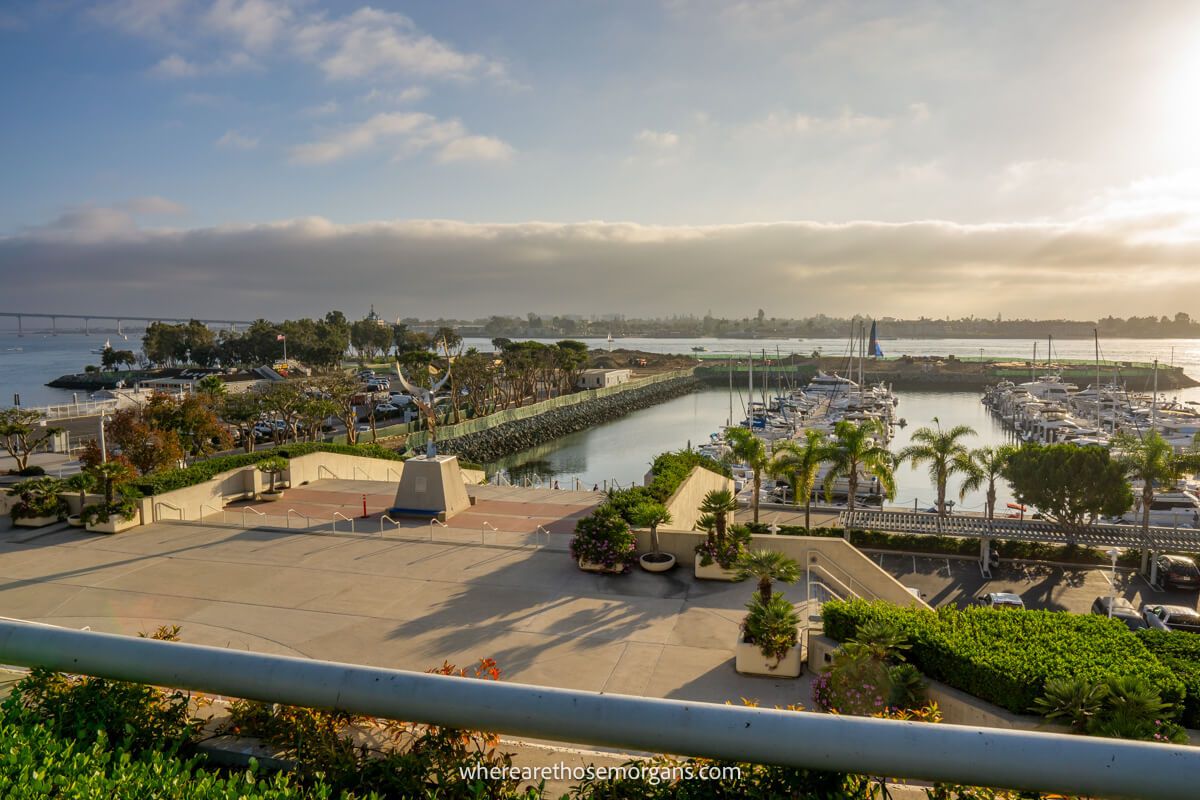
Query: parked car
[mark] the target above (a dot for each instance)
(1171, 618)
(1179, 572)
(386, 408)
(1002, 600)
(1122, 609)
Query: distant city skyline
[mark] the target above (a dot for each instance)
(281, 157)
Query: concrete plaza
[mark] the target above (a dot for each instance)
(397, 599)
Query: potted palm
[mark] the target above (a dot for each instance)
(118, 512)
(717, 554)
(651, 515)
(769, 640)
(603, 541)
(37, 503)
(81, 482)
(273, 467)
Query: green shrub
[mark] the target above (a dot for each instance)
(167, 480)
(604, 537)
(1179, 652)
(668, 471)
(1006, 657)
(38, 497)
(771, 626)
(32, 471)
(37, 762)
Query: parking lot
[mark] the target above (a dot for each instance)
(955, 581)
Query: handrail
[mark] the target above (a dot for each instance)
(168, 505)
(250, 508)
(382, 517)
(327, 469)
(214, 508)
(391, 471)
(536, 531)
(439, 522)
(333, 522)
(826, 561)
(959, 754)
(485, 525)
(358, 469)
(307, 519)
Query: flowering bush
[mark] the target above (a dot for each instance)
(604, 537)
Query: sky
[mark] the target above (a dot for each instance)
(277, 158)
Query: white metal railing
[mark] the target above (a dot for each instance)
(432, 521)
(358, 469)
(321, 467)
(536, 531)
(959, 754)
(162, 503)
(215, 510)
(391, 472)
(333, 522)
(484, 527)
(254, 510)
(307, 519)
(383, 517)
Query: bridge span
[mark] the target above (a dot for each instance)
(21, 316)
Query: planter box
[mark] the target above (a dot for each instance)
(714, 572)
(34, 522)
(588, 566)
(114, 525)
(749, 660)
(657, 566)
(74, 521)
(270, 497)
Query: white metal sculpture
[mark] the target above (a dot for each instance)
(423, 399)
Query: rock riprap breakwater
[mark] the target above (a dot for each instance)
(513, 437)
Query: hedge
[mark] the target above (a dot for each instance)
(168, 480)
(668, 471)
(1006, 657)
(1179, 651)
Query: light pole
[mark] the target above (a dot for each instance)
(103, 448)
(1113, 553)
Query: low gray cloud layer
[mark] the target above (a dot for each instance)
(96, 260)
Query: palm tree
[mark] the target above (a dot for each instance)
(651, 515)
(211, 387)
(800, 465)
(766, 566)
(983, 467)
(856, 448)
(1151, 460)
(748, 449)
(111, 474)
(82, 482)
(720, 503)
(944, 453)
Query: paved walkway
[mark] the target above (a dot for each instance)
(399, 602)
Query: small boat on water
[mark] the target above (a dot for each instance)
(99, 351)
(699, 349)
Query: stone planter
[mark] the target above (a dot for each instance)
(75, 521)
(714, 572)
(34, 522)
(588, 566)
(270, 497)
(114, 525)
(749, 660)
(667, 561)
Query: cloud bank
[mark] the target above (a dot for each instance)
(99, 259)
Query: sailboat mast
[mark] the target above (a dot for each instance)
(1154, 402)
(1096, 336)
(729, 422)
(1049, 349)
(750, 392)
(1033, 364)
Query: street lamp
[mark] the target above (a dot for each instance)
(1113, 553)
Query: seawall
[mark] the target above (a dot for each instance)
(510, 437)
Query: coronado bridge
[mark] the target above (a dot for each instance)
(88, 319)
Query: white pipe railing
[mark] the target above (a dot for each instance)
(383, 517)
(307, 520)
(358, 469)
(215, 510)
(484, 527)
(536, 531)
(327, 469)
(432, 520)
(333, 522)
(391, 472)
(960, 754)
(248, 508)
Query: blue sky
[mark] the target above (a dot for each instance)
(907, 147)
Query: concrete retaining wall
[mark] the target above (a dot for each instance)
(684, 503)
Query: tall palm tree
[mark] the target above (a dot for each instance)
(720, 503)
(800, 463)
(748, 449)
(766, 567)
(943, 451)
(111, 474)
(1151, 460)
(856, 448)
(983, 467)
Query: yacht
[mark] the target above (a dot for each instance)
(99, 351)
(1169, 509)
(824, 384)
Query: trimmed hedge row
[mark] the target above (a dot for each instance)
(1006, 657)
(1179, 651)
(669, 470)
(169, 480)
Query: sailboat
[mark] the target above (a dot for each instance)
(99, 351)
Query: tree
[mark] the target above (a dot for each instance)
(799, 464)
(146, 446)
(273, 467)
(22, 434)
(651, 515)
(82, 482)
(211, 387)
(943, 451)
(111, 475)
(720, 503)
(748, 449)
(1152, 461)
(984, 467)
(1068, 483)
(340, 389)
(855, 449)
(241, 411)
(766, 567)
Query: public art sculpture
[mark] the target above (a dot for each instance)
(423, 399)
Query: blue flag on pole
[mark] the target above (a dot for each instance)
(873, 347)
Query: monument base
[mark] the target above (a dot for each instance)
(431, 487)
